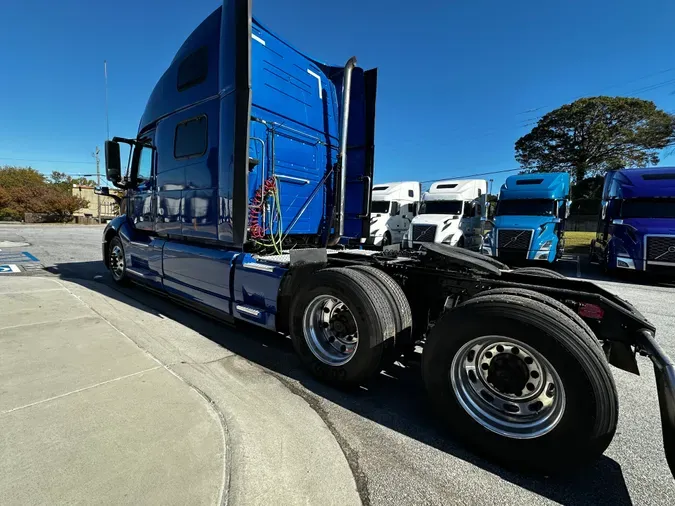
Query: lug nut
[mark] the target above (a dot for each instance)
(331, 339)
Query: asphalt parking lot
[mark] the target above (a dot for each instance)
(396, 451)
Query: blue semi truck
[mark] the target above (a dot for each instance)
(529, 221)
(252, 167)
(636, 223)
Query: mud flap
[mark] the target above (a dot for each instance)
(664, 370)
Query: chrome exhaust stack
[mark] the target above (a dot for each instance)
(339, 227)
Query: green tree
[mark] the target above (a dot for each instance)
(65, 182)
(13, 177)
(25, 190)
(593, 135)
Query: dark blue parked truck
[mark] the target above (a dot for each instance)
(529, 221)
(253, 165)
(636, 224)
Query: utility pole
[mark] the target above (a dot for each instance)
(98, 181)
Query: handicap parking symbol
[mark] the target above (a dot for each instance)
(9, 268)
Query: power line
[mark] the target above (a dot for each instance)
(466, 176)
(45, 161)
(532, 121)
(616, 85)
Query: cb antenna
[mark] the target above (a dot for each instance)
(107, 122)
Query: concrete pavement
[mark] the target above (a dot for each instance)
(105, 400)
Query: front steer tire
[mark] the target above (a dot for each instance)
(116, 263)
(372, 315)
(587, 422)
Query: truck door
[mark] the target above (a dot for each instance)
(466, 223)
(144, 250)
(407, 214)
(476, 223)
(142, 201)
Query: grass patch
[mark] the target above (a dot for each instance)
(578, 242)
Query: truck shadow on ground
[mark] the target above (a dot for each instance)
(395, 399)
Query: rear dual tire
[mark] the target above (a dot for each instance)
(344, 324)
(521, 381)
(539, 271)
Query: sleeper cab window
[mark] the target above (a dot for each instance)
(191, 138)
(193, 69)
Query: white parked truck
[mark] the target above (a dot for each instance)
(450, 213)
(394, 205)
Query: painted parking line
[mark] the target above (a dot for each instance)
(17, 257)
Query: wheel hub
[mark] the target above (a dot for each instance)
(117, 262)
(507, 386)
(508, 374)
(330, 330)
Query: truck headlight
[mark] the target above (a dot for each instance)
(448, 239)
(546, 245)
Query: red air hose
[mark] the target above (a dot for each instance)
(255, 208)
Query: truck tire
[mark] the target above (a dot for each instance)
(117, 261)
(400, 308)
(539, 271)
(521, 383)
(342, 326)
(549, 301)
(386, 240)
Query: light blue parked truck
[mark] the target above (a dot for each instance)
(530, 218)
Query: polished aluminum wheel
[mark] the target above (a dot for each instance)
(117, 262)
(507, 387)
(330, 330)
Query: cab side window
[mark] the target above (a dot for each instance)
(191, 138)
(144, 164)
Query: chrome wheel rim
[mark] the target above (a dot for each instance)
(330, 330)
(117, 262)
(508, 387)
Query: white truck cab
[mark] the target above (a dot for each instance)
(394, 205)
(450, 213)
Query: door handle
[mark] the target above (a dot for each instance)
(368, 197)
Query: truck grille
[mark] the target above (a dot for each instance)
(423, 233)
(661, 248)
(514, 240)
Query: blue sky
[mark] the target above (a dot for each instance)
(458, 81)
